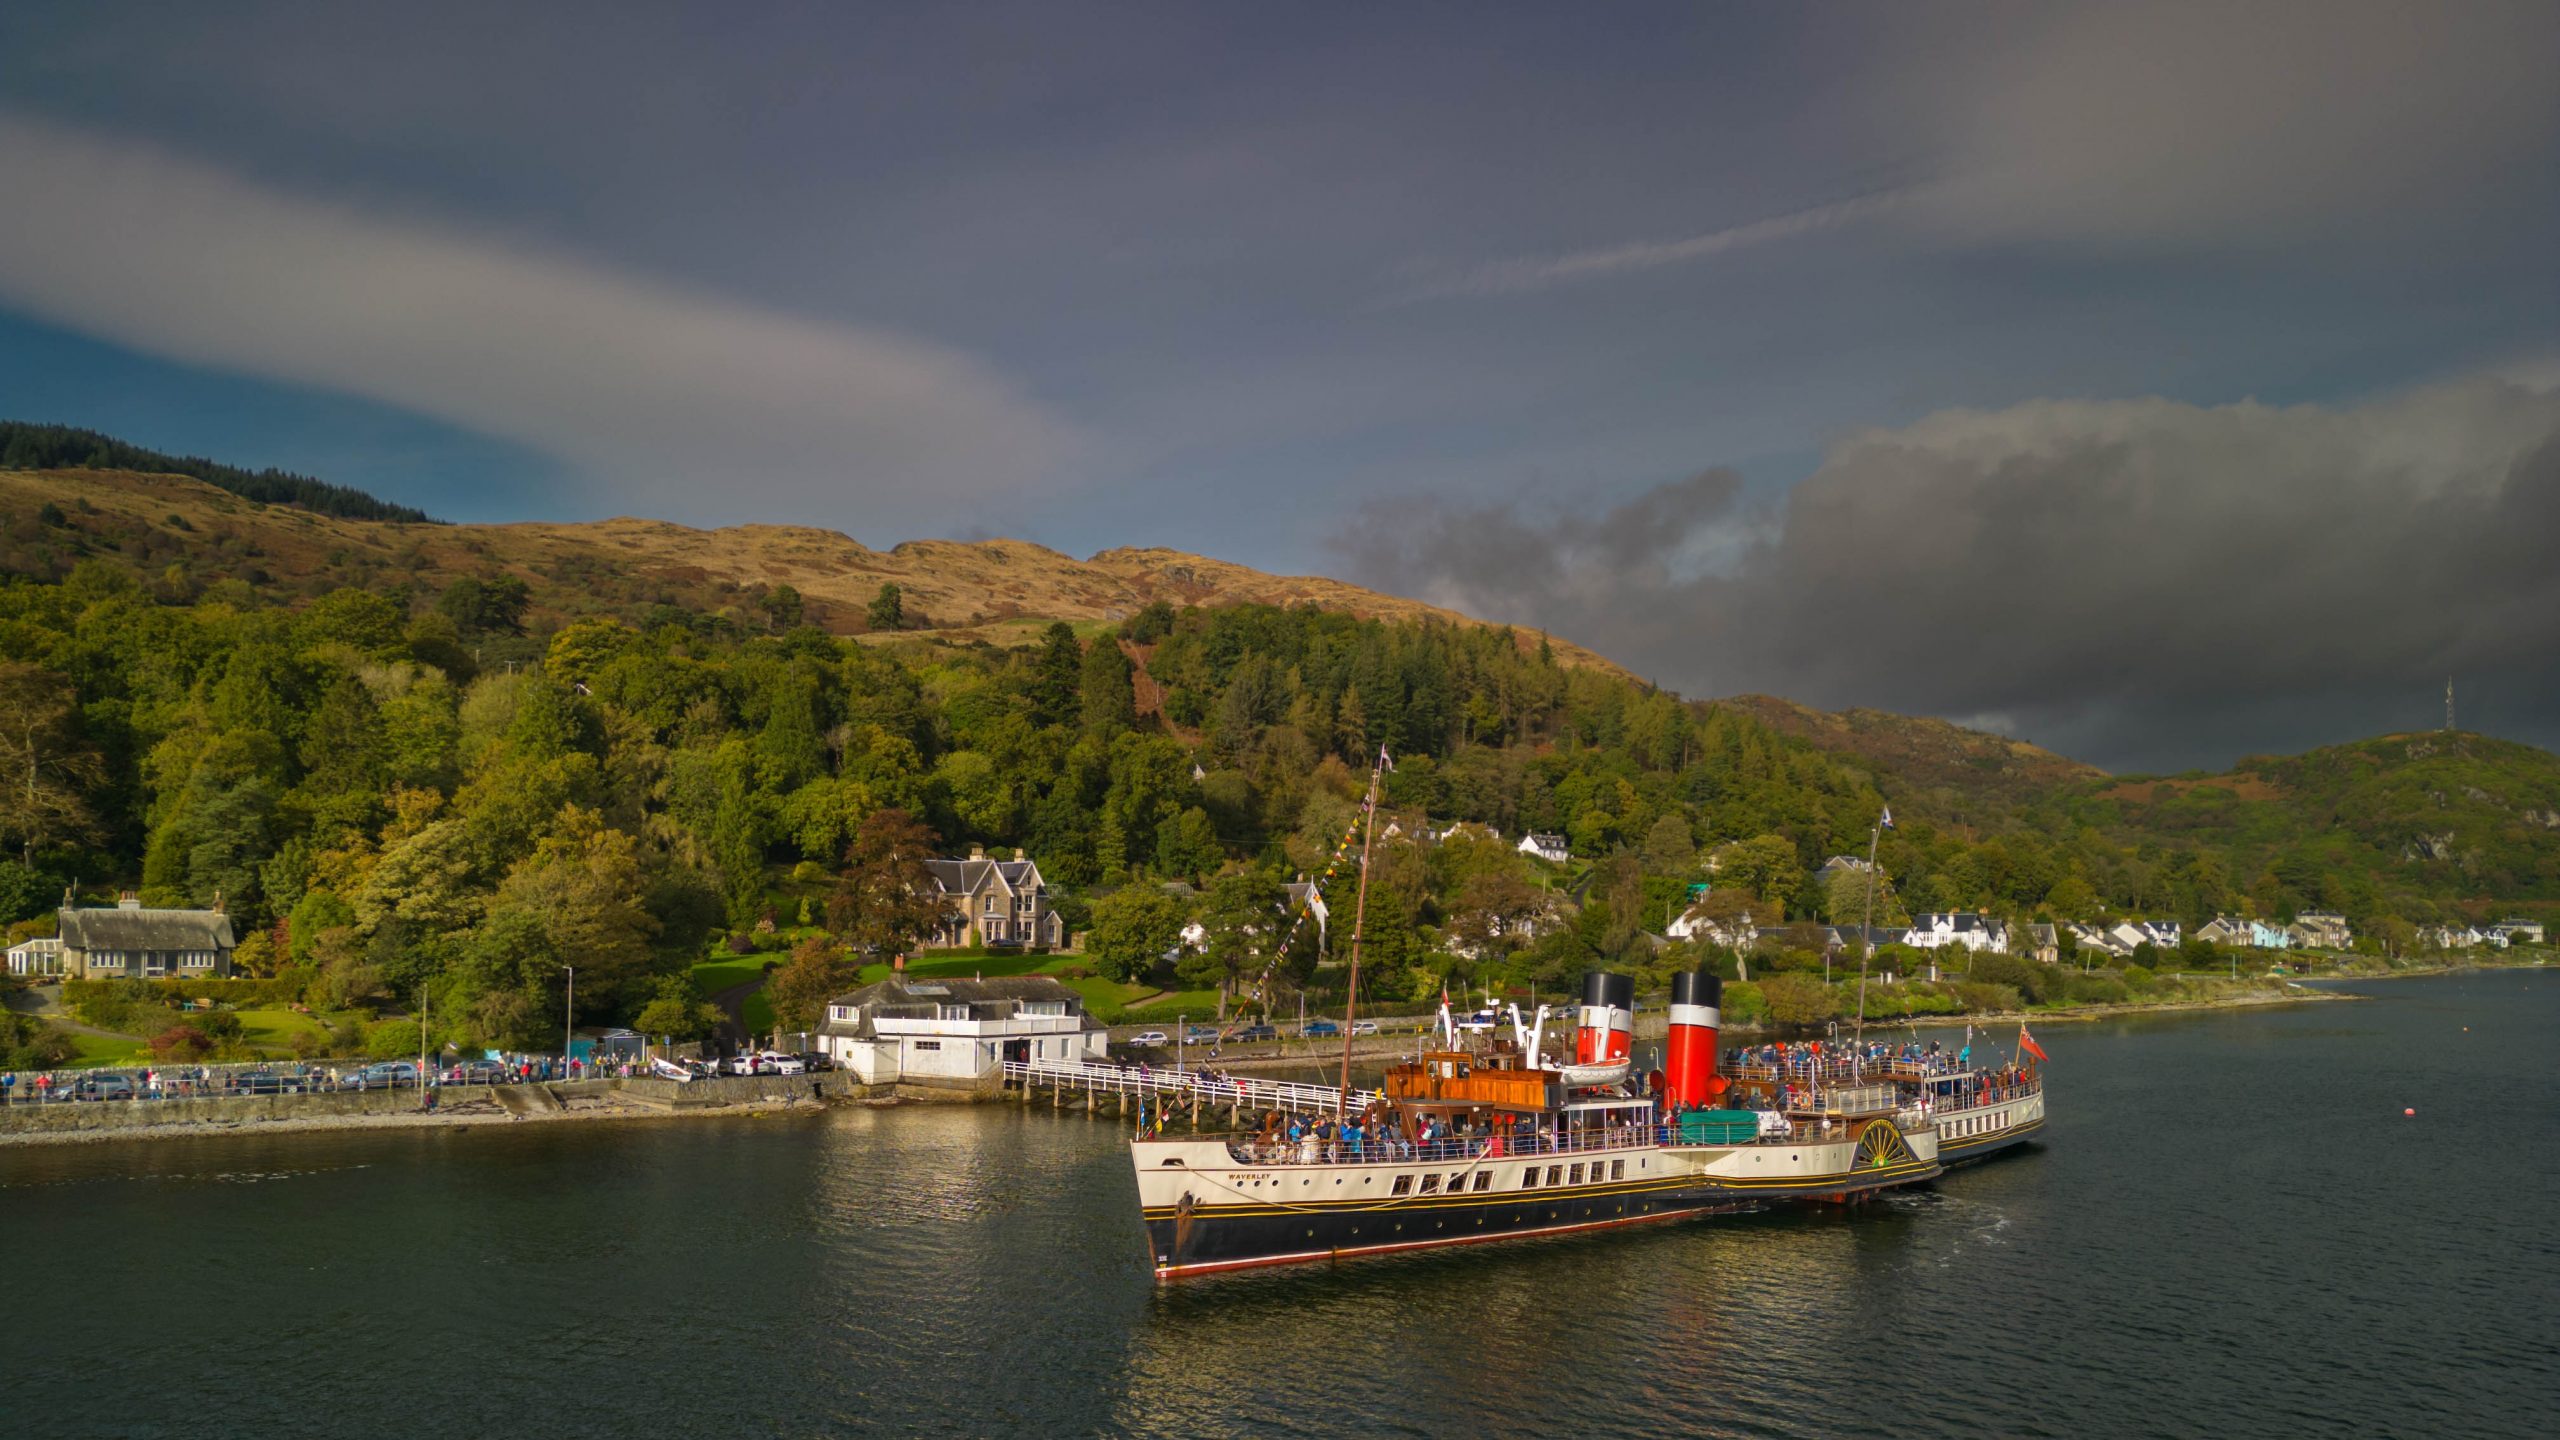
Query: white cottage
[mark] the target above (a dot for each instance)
(1548, 847)
(956, 1032)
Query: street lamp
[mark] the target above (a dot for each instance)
(568, 1018)
(1181, 1031)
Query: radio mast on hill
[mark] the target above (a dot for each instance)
(2448, 704)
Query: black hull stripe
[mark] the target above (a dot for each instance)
(1213, 1241)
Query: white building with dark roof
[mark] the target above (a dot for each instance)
(957, 1032)
(1548, 847)
(1940, 929)
(132, 942)
(995, 903)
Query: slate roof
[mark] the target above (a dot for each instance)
(122, 929)
(967, 877)
(994, 998)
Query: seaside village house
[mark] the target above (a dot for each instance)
(2044, 943)
(2238, 933)
(36, 958)
(1975, 932)
(955, 1033)
(2322, 930)
(997, 903)
(1550, 848)
(2519, 931)
(132, 942)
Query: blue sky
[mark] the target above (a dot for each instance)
(1252, 281)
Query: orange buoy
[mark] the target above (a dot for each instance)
(2408, 1111)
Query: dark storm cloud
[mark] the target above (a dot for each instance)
(2143, 583)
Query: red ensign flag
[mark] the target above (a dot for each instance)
(2028, 1043)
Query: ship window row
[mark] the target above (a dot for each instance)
(1431, 1184)
(1560, 1176)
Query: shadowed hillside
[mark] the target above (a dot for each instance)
(181, 536)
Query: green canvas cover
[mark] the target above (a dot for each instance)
(1719, 1127)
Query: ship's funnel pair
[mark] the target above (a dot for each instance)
(1607, 1030)
(1689, 1077)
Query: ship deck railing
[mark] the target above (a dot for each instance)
(1230, 1090)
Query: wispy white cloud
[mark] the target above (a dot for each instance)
(1542, 272)
(670, 399)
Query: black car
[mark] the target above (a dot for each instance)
(266, 1082)
(1257, 1032)
(816, 1061)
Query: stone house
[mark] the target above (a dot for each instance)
(1001, 904)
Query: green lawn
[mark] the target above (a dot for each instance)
(713, 976)
(102, 1050)
(274, 1029)
(1197, 1005)
(710, 977)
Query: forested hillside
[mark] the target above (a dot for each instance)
(2424, 827)
(25, 446)
(452, 784)
(626, 795)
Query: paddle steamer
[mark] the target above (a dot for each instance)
(1463, 1146)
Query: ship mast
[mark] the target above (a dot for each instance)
(1359, 922)
(1867, 930)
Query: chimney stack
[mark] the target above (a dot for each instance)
(1608, 1018)
(977, 852)
(1697, 1014)
(127, 900)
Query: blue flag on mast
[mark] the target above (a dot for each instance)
(1886, 820)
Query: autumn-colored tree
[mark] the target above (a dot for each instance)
(885, 900)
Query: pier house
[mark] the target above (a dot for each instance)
(957, 1032)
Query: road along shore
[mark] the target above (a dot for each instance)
(457, 1107)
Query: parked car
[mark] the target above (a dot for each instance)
(1480, 1022)
(817, 1061)
(109, 1086)
(773, 1062)
(1201, 1035)
(384, 1075)
(1150, 1038)
(1258, 1032)
(483, 1071)
(1320, 1029)
(266, 1082)
(1364, 1027)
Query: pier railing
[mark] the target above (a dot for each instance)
(1084, 1077)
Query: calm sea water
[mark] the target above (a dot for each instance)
(2231, 1229)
